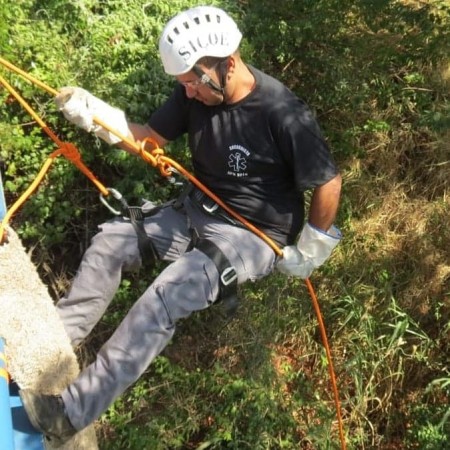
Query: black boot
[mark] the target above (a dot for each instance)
(47, 414)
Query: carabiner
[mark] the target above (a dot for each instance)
(118, 196)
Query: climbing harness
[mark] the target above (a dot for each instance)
(167, 166)
(147, 249)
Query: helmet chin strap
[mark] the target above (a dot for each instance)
(206, 79)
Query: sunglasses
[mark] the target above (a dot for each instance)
(203, 78)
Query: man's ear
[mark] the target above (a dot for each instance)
(228, 64)
(226, 69)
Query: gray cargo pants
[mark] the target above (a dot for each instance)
(190, 283)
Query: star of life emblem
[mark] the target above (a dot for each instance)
(237, 161)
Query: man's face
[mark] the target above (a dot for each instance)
(201, 92)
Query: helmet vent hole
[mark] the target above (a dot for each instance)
(218, 18)
(186, 25)
(176, 30)
(197, 20)
(208, 18)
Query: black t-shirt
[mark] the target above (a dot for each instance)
(258, 155)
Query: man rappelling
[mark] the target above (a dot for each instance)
(257, 147)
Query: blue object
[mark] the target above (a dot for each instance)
(2, 199)
(6, 430)
(25, 436)
(16, 431)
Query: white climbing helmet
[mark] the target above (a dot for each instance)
(195, 33)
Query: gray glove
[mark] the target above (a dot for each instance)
(80, 107)
(313, 248)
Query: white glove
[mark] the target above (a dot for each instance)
(312, 250)
(80, 107)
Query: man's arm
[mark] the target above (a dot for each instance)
(80, 107)
(325, 203)
(140, 132)
(319, 237)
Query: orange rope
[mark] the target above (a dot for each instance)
(10, 212)
(157, 159)
(65, 148)
(323, 334)
(27, 76)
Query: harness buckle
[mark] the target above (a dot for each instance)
(210, 209)
(228, 276)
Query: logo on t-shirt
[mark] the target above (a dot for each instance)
(237, 161)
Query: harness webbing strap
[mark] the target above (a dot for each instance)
(227, 274)
(210, 207)
(147, 249)
(186, 192)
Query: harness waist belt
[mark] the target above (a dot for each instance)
(209, 206)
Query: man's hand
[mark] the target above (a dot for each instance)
(313, 248)
(80, 107)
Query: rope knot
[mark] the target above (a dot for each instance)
(157, 152)
(70, 152)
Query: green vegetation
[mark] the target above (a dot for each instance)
(378, 76)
